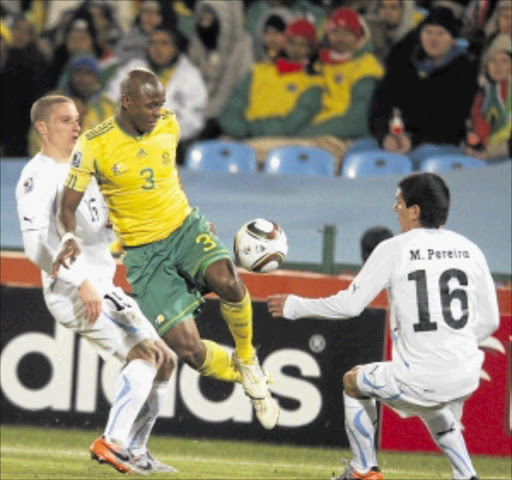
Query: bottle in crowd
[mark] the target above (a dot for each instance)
(396, 124)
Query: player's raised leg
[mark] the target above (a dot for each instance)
(210, 359)
(206, 356)
(236, 309)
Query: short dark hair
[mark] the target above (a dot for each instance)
(430, 192)
(371, 238)
(179, 40)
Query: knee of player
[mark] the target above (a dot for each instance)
(345, 380)
(225, 281)
(192, 355)
(350, 381)
(236, 289)
(148, 352)
(169, 359)
(231, 289)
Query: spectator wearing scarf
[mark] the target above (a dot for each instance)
(491, 113)
(350, 73)
(432, 81)
(277, 99)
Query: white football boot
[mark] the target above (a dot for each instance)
(255, 383)
(267, 411)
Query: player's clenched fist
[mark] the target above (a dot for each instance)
(275, 305)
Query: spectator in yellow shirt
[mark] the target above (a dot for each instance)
(277, 99)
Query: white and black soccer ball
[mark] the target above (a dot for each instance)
(260, 245)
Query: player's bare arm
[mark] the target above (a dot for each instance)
(67, 209)
(275, 305)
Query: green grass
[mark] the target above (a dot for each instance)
(43, 453)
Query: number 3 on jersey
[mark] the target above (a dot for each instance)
(447, 297)
(206, 241)
(148, 175)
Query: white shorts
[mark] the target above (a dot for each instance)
(378, 380)
(120, 326)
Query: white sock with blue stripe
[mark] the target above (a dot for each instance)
(132, 389)
(360, 424)
(148, 414)
(445, 430)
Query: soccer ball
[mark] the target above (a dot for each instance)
(260, 245)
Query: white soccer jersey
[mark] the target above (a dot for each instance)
(442, 303)
(37, 195)
(121, 324)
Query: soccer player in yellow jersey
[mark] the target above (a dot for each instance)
(171, 255)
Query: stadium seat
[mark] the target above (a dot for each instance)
(220, 156)
(363, 143)
(374, 163)
(450, 161)
(299, 160)
(427, 150)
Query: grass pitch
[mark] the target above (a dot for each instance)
(43, 453)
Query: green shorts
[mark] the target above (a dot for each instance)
(167, 276)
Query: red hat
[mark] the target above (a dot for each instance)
(345, 18)
(302, 28)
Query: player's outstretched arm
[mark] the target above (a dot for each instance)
(373, 277)
(67, 222)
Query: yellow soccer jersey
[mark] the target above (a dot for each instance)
(137, 176)
(339, 83)
(273, 93)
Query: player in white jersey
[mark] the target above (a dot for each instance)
(85, 290)
(442, 304)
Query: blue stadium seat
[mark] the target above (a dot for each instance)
(299, 160)
(374, 163)
(363, 143)
(450, 161)
(427, 150)
(220, 156)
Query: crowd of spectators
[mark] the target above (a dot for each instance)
(327, 73)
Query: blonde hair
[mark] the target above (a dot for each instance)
(41, 108)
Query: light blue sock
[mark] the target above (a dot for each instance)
(132, 389)
(446, 432)
(360, 423)
(146, 419)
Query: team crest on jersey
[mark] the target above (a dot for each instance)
(338, 78)
(28, 185)
(76, 160)
(166, 158)
(291, 87)
(142, 153)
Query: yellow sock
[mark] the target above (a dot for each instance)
(218, 363)
(238, 316)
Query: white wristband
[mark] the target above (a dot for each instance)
(67, 236)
